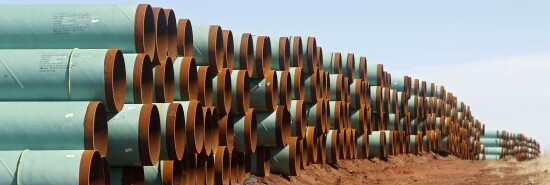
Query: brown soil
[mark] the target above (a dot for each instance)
(425, 169)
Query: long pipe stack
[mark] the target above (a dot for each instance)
(128, 94)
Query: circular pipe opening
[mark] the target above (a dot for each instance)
(208, 131)
(297, 51)
(215, 47)
(161, 27)
(185, 38)
(337, 60)
(246, 59)
(195, 127)
(301, 120)
(311, 53)
(91, 168)
(222, 165)
(172, 33)
(322, 153)
(327, 85)
(271, 90)
(149, 135)
(319, 57)
(210, 169)
(283, 126)
(284, 53)
(243, 92)
(335, 146)
(115, 80)
(285, 89)
(106, 171)
(303, 150)
(144, 30)
(224, 90)
(350, 68)
(226, 133)
(229, 51)
(164, 82)
(201, 171)
(205, 75)
(342, 141)
(95, 128)
(175, 130)
(299, 83)
(235, 171)
(143, 79)
(382, 148)
(294, 156)
(188, 169)
(188, 79)
(215, 142)
(363, 68)
(250, 131)
(311, 144)
(338, 114)
(172, 172)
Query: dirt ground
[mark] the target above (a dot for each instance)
(425, 169)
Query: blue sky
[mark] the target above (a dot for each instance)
(493, 54)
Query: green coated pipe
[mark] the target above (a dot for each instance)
(185, 79)
(359, 119)
(491, 142)
(262, 56)
(494, 150)
(172, 130)
(336, 115)
(131, 28)
(164, 172)
(309, 46)
(297, 83)
(208, 46)
(139, 78)
(332, 62)
(222, 91)
(127, 175)
(240, 84)
(296, 51)
(394, 121)
(492, 134)
(489, 157)
(356, 93)
(298, 119)
(229, 50)
(375, 74)
(280, 53)
(245, 130)
(362, 145)
(273, 127)
(51, 167)
(312, 87)
(377, 144)
(263, 92)
(332, 147)
(134, 135)
(314, 115)
(348, 66)
(286, 160)
(243, 53)
(185, 38)
(163, 82)
(261, 162)
(336, 88)
(285, 89)
(194, 125)
(53, 126)
(413, 106)
(43, 75)
(376, 98)
(360, 66)
(413, 144)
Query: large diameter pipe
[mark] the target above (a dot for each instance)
(52, 167)
(134, 136)
(261, 162)
(298, 118)
(362, 145)
(297, 83)
(375, 73)
(495, 151)
(240, 84)
(194, 125)
(337, 87)
(280, 53)
(296, 51)
(263, 92)
(356, 91)
(244, 53)
(185, 38)
(286, 160)
(359, 119)
(314, 114)
(166, 172)
(348, 68)
(332, 62)
(376, 99)
(313, 87)
(222, 91)
(127, 175)
(226, 131)
(336, 115)
(131, 28)
(139, 78)
(222, 166)
(211, 130)
(360, 68)
(377, 144)
(262, 56)
(414, 145)
(229, 50)
(309, 46)
(172, 129)
(161, 41)
(44, 75)
(53, 126)
(205, 86)
(189, 168)
(208, 46)
(185, 79)
(322, 149)
(311, 145)
(332, 147)
(234, 171)
(285, 88)
(246, 132)
(274, 127)
(163, 82)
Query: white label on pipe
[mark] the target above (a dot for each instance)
(69, 156)
(70, 115)
(128, 150)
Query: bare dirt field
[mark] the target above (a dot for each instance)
(425, 169)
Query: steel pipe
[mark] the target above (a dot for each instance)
(226, 131)
(312, 87)
(127, 175)
(274, 127)
(359, 119)
(285, 88)
(263, 92)
(165, 172)
(297, 83)
(244, 53)
(261, 162)
(229, 50)
(245, 132)
(139, 78)
(189, 168)
(211, 130)
(240, 83)
(208, 46)
(362, 145)
(172, 130)
(296, 51)
(185, 79)
(262, 56)
(311, 145)
(322, 149)
(332, 62)
(377, 144)
(222, 91)
(298, 118)
(185, 38)
(332, 147)
(222, 165)
(30, 71)
(309, 57)
(360, 66)
(337, 81)
(348, 68)
(205, 86)
(336, 115)
(163, 82)
(286, 160)
(375, 74)
(280, 54)
(161, 41)
(194, 125)
(356, 93)
(314, 114)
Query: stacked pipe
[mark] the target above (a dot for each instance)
(131, 95)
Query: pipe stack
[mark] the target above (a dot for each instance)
(127, 94)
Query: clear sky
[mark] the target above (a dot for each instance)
(493, 54)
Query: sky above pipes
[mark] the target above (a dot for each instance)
(494, 54)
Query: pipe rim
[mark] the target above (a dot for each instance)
(185, 38)
(144, 30)
(106, 171)
(363, 68)
(263, 161)
(250, 131)
(215, 47)
(297, 59)
(285, 91)
(284, 53)
(222, 165)
(201, 169)
(337, 63)
(319, 57)
(342, 146)
(235, 171)
(301, 119)
(95, 128)
(115, 80)
(229, 50)
(303, 150)
(188, 169)
(263, 56)
(172, 33)
(227, 132)
(149, 135)
(188, 79)
(299, 83)
(195, 127)
(172, 172)
(271, 89)
(224, 91)
(294, 155)
(205, 86)
(243, 91)
(338, 111)
(311, 63)
(322, 153)
(215, 130)
(350, 68)
(91, 168)
(334, 146)
(282, 130)
(175, 131)
(142, 79)
(311, 144)
(246, 59)
(208, 131)
(164, 82)
(161, 42)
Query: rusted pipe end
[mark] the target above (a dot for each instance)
(335, 147)
(205, 76)
(106, 171)
(210, 169)
(386, 99)
(142, 79)
(95, 128)
(338, 116)
(164, 82)
(208, 131)
(263, 162)
(91, 168)
(229, 50)
(311, 142)
(284, 54)
(285, 89)
(188, 79)
(226, 135)
(149, 135)
(294, 156)
(172, 33)
(271, 89)
(383, 142)
(161, 44)
(222, 165)
(234, 168)
(363, 116)
(201, 170)
(349, 143)
(172, 172)
(301, 120)
(363, 68)
(327, 116)
(243, 92)
(282, 128)
(311, 52)
(144, 30)
(215, 142)
(175, 131)
(342, 144)
(250, 131)
(215, 47)
(350, 68)
(327, 85)
(320, 112)
(224, 91)
(303, 151)
(115, 80)
(246, 59)
(242, 162)
(337, 63)
(319, 57)
(297, 58)
(322, 153)
(263, 56)
(358, 94)
(185, 38)
(299, 83)
(189, 165)
(195, 128)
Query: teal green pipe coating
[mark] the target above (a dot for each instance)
(493, 151)
(374, 99)
(438, 93)
(280, 160)
(332, 157)
(336, 82)
(392, 121)
(278, 62)
(335, 115)
(377, 140)
(43, 75)
(51, 167)
(310, 84)
(273, 127)
(284, 83)
(296, 130)
(329, 62)
(388, 135)
(164, 172)
(296, 51)
(124, 136)
(240, 87)
(206, 50)
(261, 162)
(358, 120)
(348, 65)
(398, 83)
(245, 132)
(314, 113)
(438, 123)
(168, 132)
(444, 144)
(122, 175)
(492, 134)
(360, 68)
(293, 84)
(372, 74)
(489, 157)
(412, 144)
(425, 143)
(261, 93)
(412, 105)
(355, 94)
(185, 68)
(309, 48)
(359, 144)
(403, 126)
(153, 174)
(78, 26)
(491, 142)
(141, 64)
(53, 126)
(261, 62)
